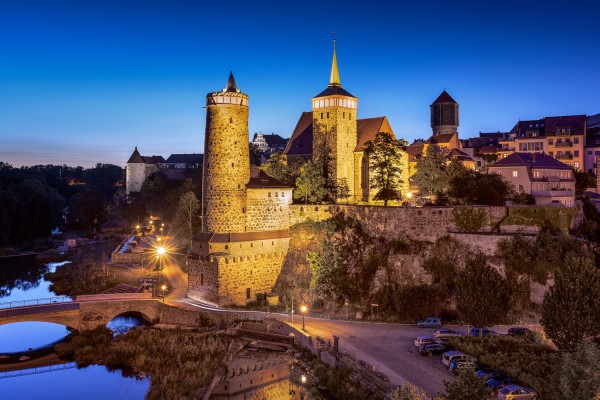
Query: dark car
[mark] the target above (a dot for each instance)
(482, 332)
(518, 331)
(497, 383)
(431, 349)
(458, 366)
(493, 374)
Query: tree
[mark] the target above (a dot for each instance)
(482, 295)
(342, 190)
(430, 175)
(276, 166)
(88, 207)
(467, 386)
(577, 375)
(408, 391)
(310, 183)
(254, 154)
(385, 154)
(187, 211)
(583, 181)
(468, 186)
(571, 308)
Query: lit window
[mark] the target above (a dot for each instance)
(515, 174)
(576, 164)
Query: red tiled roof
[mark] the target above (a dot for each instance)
(302, 137)
(260, 179)
(441, 138)
(444, 97)
(368, 128)
(530, 160)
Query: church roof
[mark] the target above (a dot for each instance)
(185, 159)
(136, 157)
(302, 137)
(335, 86)
(334, 90)
(444, 98)
(368, 128)
(259, 179)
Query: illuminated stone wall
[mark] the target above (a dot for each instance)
(226, 165)
(136, 174)
(268, 209)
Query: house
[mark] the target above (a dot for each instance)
(540, 175)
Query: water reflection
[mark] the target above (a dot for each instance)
(23, 336)
(123, 323)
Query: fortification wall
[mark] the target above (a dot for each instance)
(268, 209)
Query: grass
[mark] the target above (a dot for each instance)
(556, 217)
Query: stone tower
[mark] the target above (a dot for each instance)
(444, 115)
(245, 226)
(335, 128)
(226, 165)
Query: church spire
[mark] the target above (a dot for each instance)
(334, 80)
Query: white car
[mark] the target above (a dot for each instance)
(421, 340)
(450, 356)
(445, 334)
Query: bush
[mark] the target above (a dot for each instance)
(469, 219)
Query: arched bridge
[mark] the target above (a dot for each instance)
(85, 312)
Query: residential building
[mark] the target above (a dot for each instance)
(183, 161)
(269, 143)
(540, 175)
(138, 168)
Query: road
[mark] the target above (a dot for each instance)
(387, 347)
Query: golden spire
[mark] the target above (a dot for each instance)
(335, 74)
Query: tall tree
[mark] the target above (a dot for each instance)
(571, 308)
(467, 386)
(577, 374)
(408, 391)
(310, 183)
(430, 175)
(187, 210)
(342, 189)
(385, 154)
(276, 166)
(482, 295)
(88, 207)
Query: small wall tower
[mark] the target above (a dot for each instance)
(334, 127)
(444, 115)
(226, 165)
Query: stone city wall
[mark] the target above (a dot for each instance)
(268, 209)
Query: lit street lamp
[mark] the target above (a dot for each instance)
(408, 197)
(163, 287)
(160, 252)
(303, 310)
(303, 378)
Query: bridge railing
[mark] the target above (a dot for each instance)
(37, 370)
(35, 302)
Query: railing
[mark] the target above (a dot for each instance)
(37, 370)
(35, 302)
(564, 156)
(114, 296)
(563, 144)
(552, 193)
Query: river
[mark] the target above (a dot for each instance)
(22, 278)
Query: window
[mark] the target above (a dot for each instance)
(344, 114)
(569, 164)
(576, 153)
(589, 152)
(521, 188)
(576, 164)
(321, 115)
(282, 194)
(201, 279)
(269, 194)
(244, 210)
(327, 114)
(515, 174)
(276, 194)
(550, 141)
(551, 153)
(248, 294)
(576, 140)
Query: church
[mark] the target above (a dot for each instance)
(333, 127)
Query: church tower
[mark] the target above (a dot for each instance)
(444, 115)
(335, 128)
(226, 165)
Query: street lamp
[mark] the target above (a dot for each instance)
(303, 310)
(163, 287)
(160, 251)
(408, 197)
(303, 378)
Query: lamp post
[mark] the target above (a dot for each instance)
(163, 287)
(293, 286)
(160, 251)
(408, 197)
(303, 310)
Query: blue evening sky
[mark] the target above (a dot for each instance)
(85, 81)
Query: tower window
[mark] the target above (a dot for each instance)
(244, 210)
(231, 120)
(201, 279)
(344, 114)
(231, 165)
(327, 114)
(269, 194)
(248, 294)
(282, 194)
(276, 194)
(321, 115)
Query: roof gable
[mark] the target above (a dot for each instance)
(444, 97)
(368, 128)
(302, 137)
(531, 160)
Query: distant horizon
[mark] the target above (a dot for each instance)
(84, 83)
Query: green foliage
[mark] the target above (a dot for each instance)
(531, 364)
(408, 391)
(277, 167)
(79, 278)
(417, 302)
(342, 190)
(539, 257)
(589, 228)
(467, 386)
(447, 256)
(310, 183)
(571, 309)
(468, 186)
(523, 198)
(583, 181)
(179, 362)
(385, 154)
(88, 208)
(551, 217)
(577, 374)
(469, 219)
(482, 294)
(430, 175)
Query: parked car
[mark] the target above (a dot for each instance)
(497, 383)
(458, 366)
(491, 374)
(445, 334)
(482, 332)
(421, 340)
(430, 322)
(451, 356)
(518, 331)
(516, 392)
(431, 349)
(482, 371)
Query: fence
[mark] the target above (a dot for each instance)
(35, 302)
(114, 296)
(37, 370)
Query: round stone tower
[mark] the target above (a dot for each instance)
(226, 166)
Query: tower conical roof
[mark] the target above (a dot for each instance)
(444, 97)
(136, 157)
(231, 86)
(334, 80)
